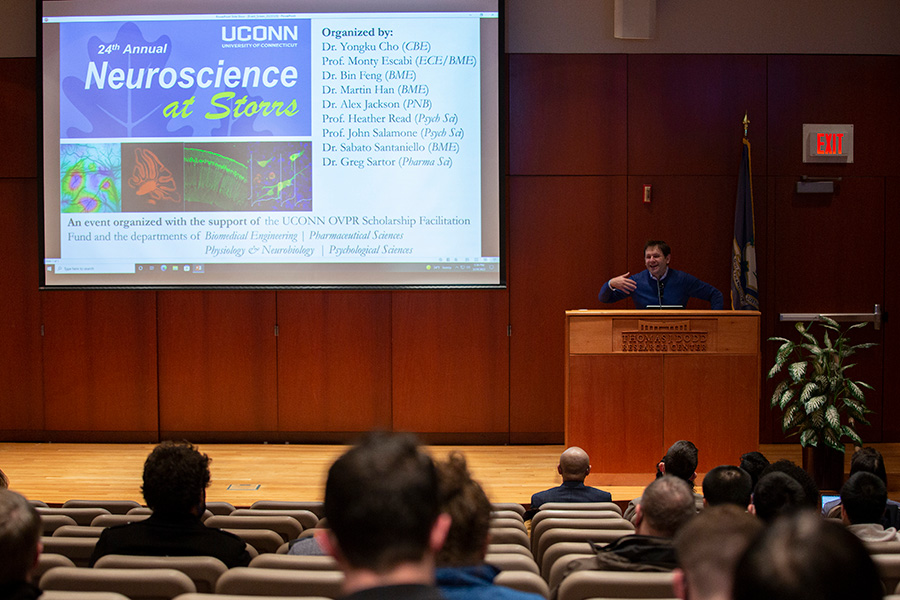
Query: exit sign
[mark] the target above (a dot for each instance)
(827, 143)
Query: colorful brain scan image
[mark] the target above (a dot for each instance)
(90, 178)
(216, 177)
(281, 176)
(153, 175)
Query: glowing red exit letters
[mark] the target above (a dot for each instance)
(829, 143)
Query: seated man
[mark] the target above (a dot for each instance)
(708, 549)
(776, 494)
(754, 463)
(462, 573)
(804, 556)
(681, 460)
(574, 466)
(383, 512)
(727, 484)
(812, 498)
(869, 459)
(175, 479)
(667, 505)
(20, 546)
(863, 500)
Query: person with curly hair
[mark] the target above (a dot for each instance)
(176, 475)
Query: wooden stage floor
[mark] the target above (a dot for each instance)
(245, 473)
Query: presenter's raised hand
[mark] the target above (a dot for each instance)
(623, 283)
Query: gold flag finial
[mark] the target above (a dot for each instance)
(746, 124)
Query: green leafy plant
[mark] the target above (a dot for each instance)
(818, 400)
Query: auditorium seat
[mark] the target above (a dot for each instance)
(506, 514)
(573, 514)
(287, 561)
(82, 516)
(280, 582)
(582, 506)
(883, 547)
(38, 504)
(204, 571)
(508, 561)
(509, 549)
(77, 549)
(116, 507)
(48, 560)
(50, 523)
(287, 527)
(136, 584)
(317, 508)
(237, 597)
(220, 508)
(553, 553)
(889, 571)
(514, 506)
(502, 522)
(509, 535)
(78, 531)
(561, 564)
(560, 534)
(68, 595)
(145, 511)
(523, 581)
(306, 518)
(615, 584)
(113, 520)
(262, 540)
(541, 528)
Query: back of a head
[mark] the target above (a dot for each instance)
(754, 463)
(864, 497)
(709, 546)
(777, 493)
(681, 460)
(20, 531)
(811, 496)
(806, 557)
(381, 500)
(727, 484)
(175, 475)
(574, 464)
(667, 504)
(470, 511)
(869, 459)
(4, 481)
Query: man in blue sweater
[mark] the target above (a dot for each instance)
(659, 285)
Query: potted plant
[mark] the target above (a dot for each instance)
(819, 402)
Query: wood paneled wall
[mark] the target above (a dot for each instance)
(585, 133)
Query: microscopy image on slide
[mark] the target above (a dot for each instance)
(90, 178)
(153, 176)
(265, 176)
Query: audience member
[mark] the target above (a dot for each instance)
(708, 548)
(668, 504)
(754, 463)
(811, 496)
(727, 484)
(776, 493)
(385, 526)
(462, 573)
(20, 546)
(869, 460)
(863, 500)
(680, 460)
(805, 557)
(176, 475)
(574, 466)
(4, 481)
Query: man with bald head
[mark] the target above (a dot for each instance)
(574, 466)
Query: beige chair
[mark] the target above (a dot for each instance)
(883, 547)
(512, 562)
(317, 508)
(68, 595)
(286, 561)
(509, 535)
(48, 560)
(204, 571)
(146, 511)
(77, 549)
(553, 553)
(113, 520)
(560, 534)
(545, 525)
(287, 527)
(50, 523)
(220, 508)
(573, 514)
(560, 566)
(582, 506)
(262, 540)
(507, 514)
(82, 516)
(524, 581)
(503, 522)
(116, 507)
(78, 531)
(493, 548)
(306, 518)
(514, 506)
(889, 571)
(137, 584)
(280, 582)
(582, 585)
(240, 597)
(38, 504)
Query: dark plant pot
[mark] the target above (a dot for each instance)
(826, 466)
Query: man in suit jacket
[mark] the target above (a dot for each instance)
(574, 466)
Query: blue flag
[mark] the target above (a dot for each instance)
(744, 290)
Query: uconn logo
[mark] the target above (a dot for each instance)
(259, 33)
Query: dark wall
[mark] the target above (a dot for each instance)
(586, 132)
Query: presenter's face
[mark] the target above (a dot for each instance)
(655, 262)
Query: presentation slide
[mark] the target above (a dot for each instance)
(271, 143)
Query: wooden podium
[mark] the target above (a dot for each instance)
(639, 380)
